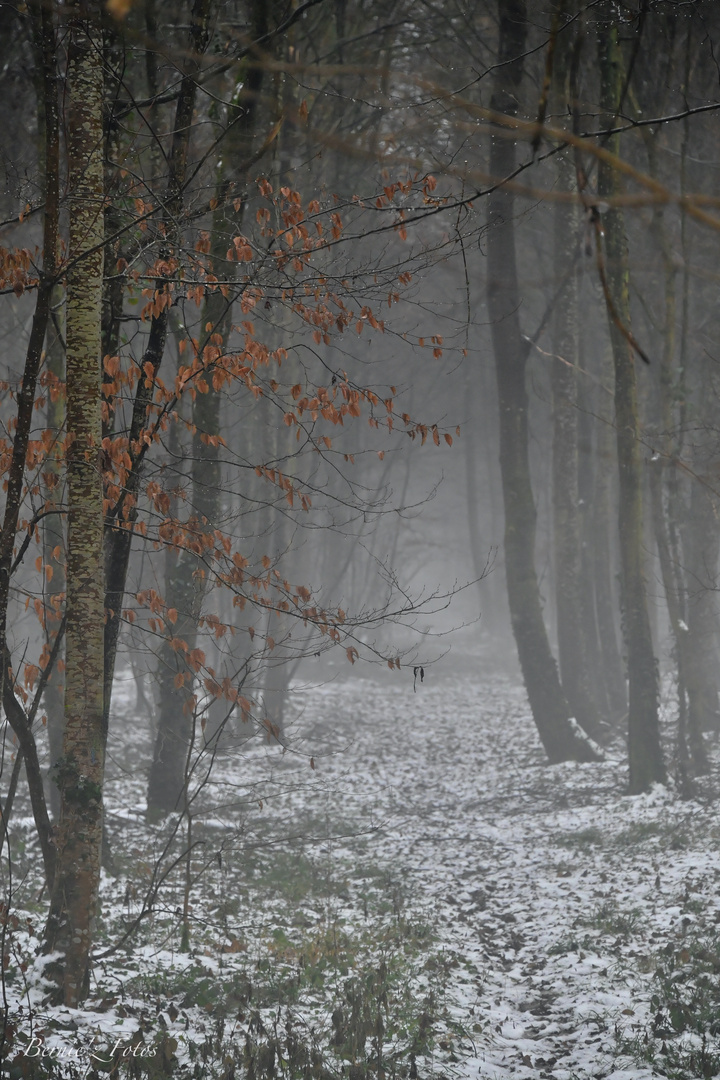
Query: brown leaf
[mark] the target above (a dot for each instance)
(119, 9)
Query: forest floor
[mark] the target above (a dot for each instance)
(409, 891)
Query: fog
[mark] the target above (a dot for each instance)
(358, 360)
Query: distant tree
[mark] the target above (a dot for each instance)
(571, 594)
(644, 750)
(548, 702)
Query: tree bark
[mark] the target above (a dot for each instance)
(573, 646)
(701, 557)
(187, 581)
(692, 747)
(74, 900)
(547, 701)
(44, 30)
(43, 27)
(53, 538)
(603, 563)
(694, 672)
(52, 526)
(121, 520)
(644, 751)
(22, 727)
(588, 475)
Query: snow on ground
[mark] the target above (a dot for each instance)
(550, 889)
(411, 870)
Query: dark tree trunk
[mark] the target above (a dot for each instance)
(547, 701)
(701, 543)
(602, 512)
(573, 646)
(187, 582)
(587, 476)
(694, 672)
(53, 539)
(121, 520)
(52, 527)
(48, 114)
(644, 751)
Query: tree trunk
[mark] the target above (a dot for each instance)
(694, 672)
(22, 726)
(701, 557)
(53, 538)
(120, 521)
(52, 527)
(547, 701)
(481, 550)
(74, 900)
(603, 571)
(573, 646)
(698, 531)
(644, 750)
(44, 30)
(692, 747)
(587, 472)
(48, 116)
(186, 584)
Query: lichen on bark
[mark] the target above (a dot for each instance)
(73, 906)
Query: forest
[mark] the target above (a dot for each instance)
(359, 636)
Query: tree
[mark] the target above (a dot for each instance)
(288, 230)
(644, 751)
(16, 276)
(74, 898)
(547, 700)
(119, 408)
(187, 580)
(573, 598)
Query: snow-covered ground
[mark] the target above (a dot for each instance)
(408, 889)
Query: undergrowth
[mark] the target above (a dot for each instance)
(683, 1037)
(349, 994)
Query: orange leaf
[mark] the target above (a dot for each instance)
(119, 9)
